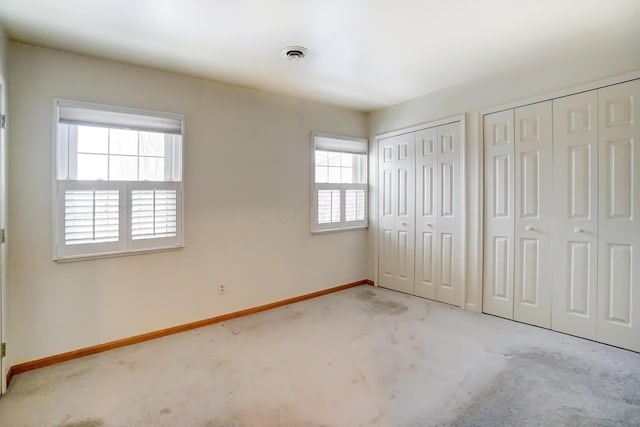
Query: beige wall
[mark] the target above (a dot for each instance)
(4, 47)
(247, 208)
(470, 98)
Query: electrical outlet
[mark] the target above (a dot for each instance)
(221, 290)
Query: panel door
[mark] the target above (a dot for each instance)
(3, 246)
(448, 236)
(426, 265)
(533, 202)
(387, 154)
(575, 218)
(618, 222)
(499, 207)
(397, 213)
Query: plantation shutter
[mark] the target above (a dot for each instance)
(328, 206)
(91, 216)
(354, 205)
(154, 214)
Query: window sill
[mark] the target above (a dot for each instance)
(337, 230)
(115, 254)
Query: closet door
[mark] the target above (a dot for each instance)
(397, 213)
(575, 221)
(426, 213)
(499, 209)
(448, 236)
(534, 184)
(618, 222)
(387, 153)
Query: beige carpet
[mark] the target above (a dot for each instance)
(362, 357)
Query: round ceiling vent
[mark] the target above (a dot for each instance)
(295, 53)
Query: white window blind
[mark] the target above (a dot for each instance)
(340, 144)
(153, 214)
(339, 182)
(91, 217)
(119, 180)
(354, 205)
(79, 113)
(328, 206)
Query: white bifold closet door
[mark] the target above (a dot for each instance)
(533, 207)
(420, 213)
(438, 213)
(597, 290)
(499, 214)
(396, 207)
(618, 222)
(575, 222)
(518, 203)
(562, 244)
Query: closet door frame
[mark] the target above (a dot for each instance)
(461, 119)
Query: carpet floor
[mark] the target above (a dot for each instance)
(361, 357)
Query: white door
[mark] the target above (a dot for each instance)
(534, 186)
(3, 246)
(618, 219)
(449, 215)
(397, 212)
(499, 217)
(426, 213)
(575, 219)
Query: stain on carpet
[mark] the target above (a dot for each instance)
(542, 388)
(87, 422)
(375, 303)
(281, 416)
(366, 295)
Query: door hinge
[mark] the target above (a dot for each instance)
(3, 350)
(3, 121)
(3, 235)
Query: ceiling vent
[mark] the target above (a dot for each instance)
(295, 53)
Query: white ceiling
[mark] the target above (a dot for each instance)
(365, 54)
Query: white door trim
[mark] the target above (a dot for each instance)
(422, 126)
(4, 163)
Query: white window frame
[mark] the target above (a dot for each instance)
(125, 244)
(317, 228)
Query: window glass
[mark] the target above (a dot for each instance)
(339, 168)
(123, 141)
(93, 140)
(123, 168)
(151, 169)
(93, 167)
(122, 155)
(151, 144)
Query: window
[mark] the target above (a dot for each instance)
(118, 180)
(339, 183)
